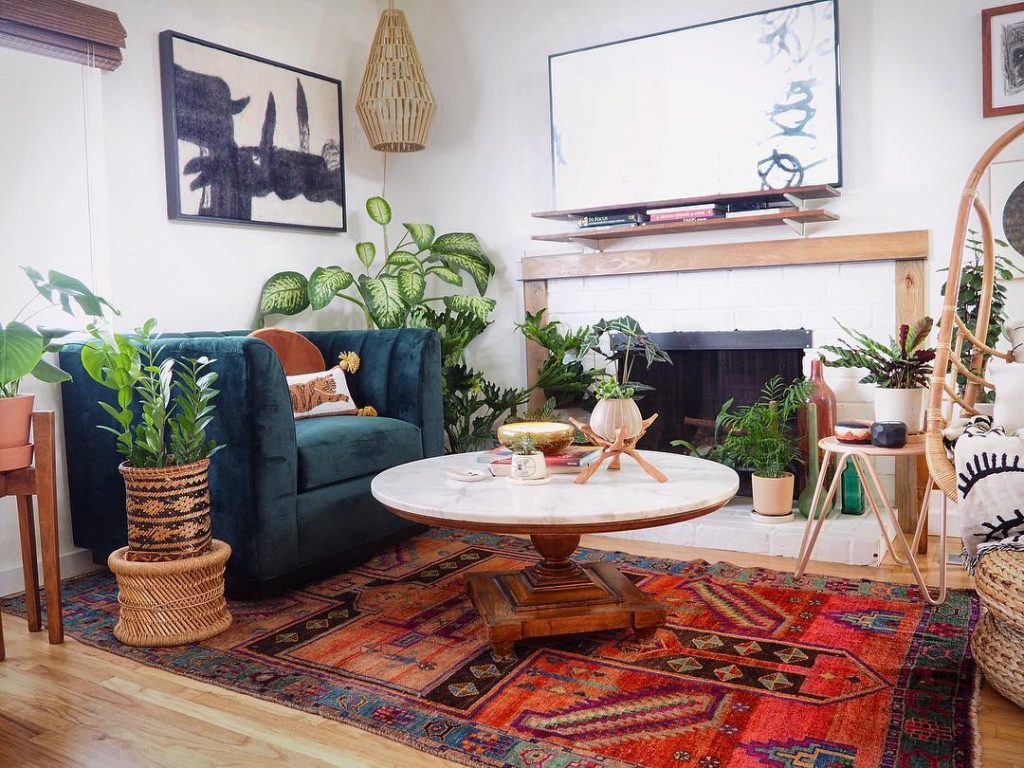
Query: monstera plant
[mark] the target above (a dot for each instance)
(392, 289)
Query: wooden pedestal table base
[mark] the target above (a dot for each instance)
(555, 596)
(558, 597)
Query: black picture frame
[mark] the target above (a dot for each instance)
(172, 160)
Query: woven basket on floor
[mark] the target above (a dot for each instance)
(997, 649)
(999, 580)
(168, 511)
(173, 602)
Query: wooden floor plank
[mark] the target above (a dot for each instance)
(71, 705)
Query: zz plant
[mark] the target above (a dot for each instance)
(393, 288)
(174, 399)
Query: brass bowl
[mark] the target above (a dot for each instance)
(549, 436)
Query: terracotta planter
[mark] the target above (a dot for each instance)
(611, 414)
(773, 496)
(168, 511)
(906, 405)
(15, 425)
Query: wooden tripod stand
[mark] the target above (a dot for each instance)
(613, 450)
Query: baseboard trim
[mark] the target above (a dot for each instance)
(71, 564)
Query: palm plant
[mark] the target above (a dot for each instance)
(760, 436)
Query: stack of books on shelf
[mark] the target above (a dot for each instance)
(697, 212)
(601, 220)
(571, 461)
(761, 208)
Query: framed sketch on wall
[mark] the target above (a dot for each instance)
(248, 140)
(1002, 46)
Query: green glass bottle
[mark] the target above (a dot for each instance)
(853, 500)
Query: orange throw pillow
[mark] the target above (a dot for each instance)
(298, 354)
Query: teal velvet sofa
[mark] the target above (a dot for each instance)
(292, 498)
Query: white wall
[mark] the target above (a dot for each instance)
(192, 275)
(45, 219)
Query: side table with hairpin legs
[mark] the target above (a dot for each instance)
(40, 481)
(862, 455)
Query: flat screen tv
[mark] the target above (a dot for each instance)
(745, 103)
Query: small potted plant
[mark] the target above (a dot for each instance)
(761, 436)
(22, 351)
(616, 407)
(528, 463)
(900, 368)
(164, 440)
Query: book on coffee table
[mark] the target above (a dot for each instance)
(572, 460)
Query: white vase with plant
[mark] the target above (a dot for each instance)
(616, 409)
(900, 368)
(761, 437)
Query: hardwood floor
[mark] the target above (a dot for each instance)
(71, 705)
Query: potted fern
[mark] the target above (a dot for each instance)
(761, 437)
(616, 407)
(23, 349)
(900, 368)
(163, 440)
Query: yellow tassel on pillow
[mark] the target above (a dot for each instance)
(367, 410)
(348, 362)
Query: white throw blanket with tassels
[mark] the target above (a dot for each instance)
(990, 489)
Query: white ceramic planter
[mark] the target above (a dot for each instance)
(906, 405)
(773, 496)
(528, 466)
(611, 414)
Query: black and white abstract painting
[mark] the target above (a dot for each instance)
(734, 105)
(1002, 37)
(249, 140)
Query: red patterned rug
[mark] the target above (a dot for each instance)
(755, 668)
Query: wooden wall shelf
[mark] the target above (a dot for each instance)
(814, 192)
(789, 216)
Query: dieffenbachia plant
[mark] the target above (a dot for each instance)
(23, 346)
(392, 291)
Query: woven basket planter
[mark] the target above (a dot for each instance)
(997, 649)
(168, 511)
(171, 603)
(999, 580)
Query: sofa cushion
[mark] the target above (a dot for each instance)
(336, 448)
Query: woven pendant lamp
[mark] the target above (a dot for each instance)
(395, 105)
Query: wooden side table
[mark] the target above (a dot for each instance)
(39, 481)
(861, 455)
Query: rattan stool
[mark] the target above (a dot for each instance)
(174, 602)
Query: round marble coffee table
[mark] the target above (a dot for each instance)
(556, 596)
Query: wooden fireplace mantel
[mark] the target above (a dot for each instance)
(908, 249)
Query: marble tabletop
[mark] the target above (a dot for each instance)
(610, 500)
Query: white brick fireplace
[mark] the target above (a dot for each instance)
(859, 294)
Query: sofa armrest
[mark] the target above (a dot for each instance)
(252, 479)
(400, 375)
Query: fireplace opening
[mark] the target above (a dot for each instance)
(708, 368)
